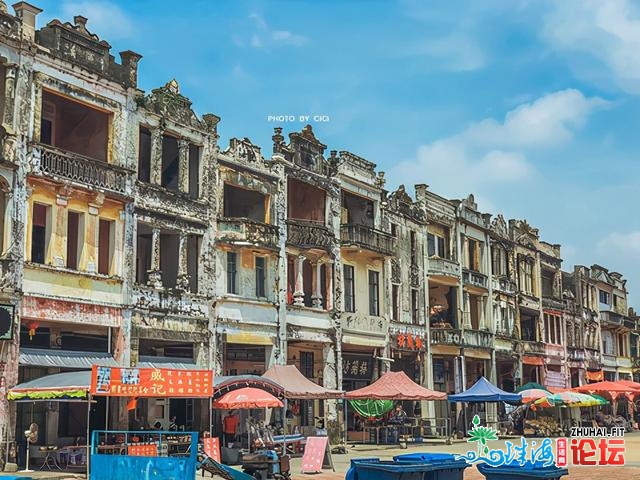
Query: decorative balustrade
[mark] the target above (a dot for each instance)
(504, 284)
(368, 238)
(475, 279)
(81, 170)
(307, 234)
(533, 347)
(443, 266)
(552, 303)
(246, 230)
(461, 338)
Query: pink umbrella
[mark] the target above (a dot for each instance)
(532, 394)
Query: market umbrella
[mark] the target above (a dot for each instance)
(371, 408)
(245, 398)
(569, 399)
(533, 394)
(607, 388)
(530, 385)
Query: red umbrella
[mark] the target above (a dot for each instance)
(247, 397)
(612, 389)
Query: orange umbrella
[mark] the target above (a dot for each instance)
(611, 389)
(245, 398)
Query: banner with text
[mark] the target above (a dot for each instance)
(151, 382)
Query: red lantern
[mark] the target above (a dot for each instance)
(32, 325)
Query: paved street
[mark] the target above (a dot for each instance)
(341, 462)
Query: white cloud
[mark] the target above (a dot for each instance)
(492, 153)
(265, 36)
(106, 19)
(608, 30)
(627, 245)
(455, 52)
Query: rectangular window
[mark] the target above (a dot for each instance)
(394, 230)
(194, 171)
(605, 297)
(473, 255)
(414, 248)
(349, 289)
(40, 232)
(306, 364)
(232, 272)
(144, 155)
(260, 277)
(75, 239)
(395, 298)
(431, 244)
(170, 163)
(374, 304)
(106, 245)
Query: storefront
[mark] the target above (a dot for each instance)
(359, 369)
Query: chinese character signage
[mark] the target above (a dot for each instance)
(151, 382)
(357, 367)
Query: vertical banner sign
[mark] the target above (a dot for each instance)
(212, 448)
(316, 455)
(151, 382)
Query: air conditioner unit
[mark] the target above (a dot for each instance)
(7, 317)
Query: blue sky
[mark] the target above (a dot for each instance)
(530, 105)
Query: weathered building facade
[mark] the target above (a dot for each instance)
(129, 236)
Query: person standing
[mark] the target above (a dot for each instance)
(230, 426)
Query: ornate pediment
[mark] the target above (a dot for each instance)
(499, 226)
(244, 151)
(167, 102)
(400, 202)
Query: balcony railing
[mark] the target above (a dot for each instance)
(576, 354)
(80, 170)
(462, 338)
(611, 318)
(475, 279)
(368, 238)
(234, 230)
(443, 266)
(609, 360)
(532, 347)
(552, 303)
(504, 284)
(307, 234)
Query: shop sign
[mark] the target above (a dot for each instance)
(151, 382)
(407, 339)
(355, 367)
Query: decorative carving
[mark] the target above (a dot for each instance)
(499, 226)
(414, 276)
(396, 272)
(168, 102)
(309, 235)
(242, 229)
(401, 202)
(368, 238)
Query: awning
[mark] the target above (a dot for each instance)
(172, 363)
(41, 357)
(395, 386)
(249, 339)
(596, 376)
(532, 360)
(57, 387)
(297, 386)
(364, 341)
(484, 391)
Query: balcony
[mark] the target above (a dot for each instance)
(474, 279)
(368, 238)
(552, 303)
(245, 231)
(477, 338)
(612, 318)
(461, 338)
(307, 234)
(529, 347)
(443, 267)
(504, 285)
(576, 354)
(79, 170)
(609, 360)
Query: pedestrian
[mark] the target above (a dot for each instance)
(230, 426)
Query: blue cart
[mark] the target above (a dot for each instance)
(444, 465)
(408, 467)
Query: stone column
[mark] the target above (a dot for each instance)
(466, 310)
(9, 94)
(298, 294)
(183, 275)
(330, 380)
(317, 285)
(155, 176)
(155, 274)
(183, 169)
(329, 286)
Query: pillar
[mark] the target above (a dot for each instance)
(298, 294)
(155, 176)
(316, 298)
(330, 380)
(155, 274)
(183, 168)
(183, 275)
(9, 94)
(329, 286)
(466, 314)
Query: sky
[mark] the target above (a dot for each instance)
(531, 105)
